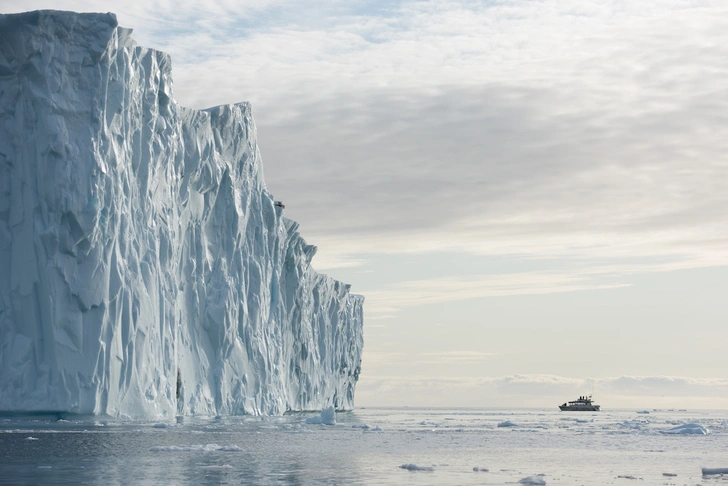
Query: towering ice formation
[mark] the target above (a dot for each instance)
(140, 248)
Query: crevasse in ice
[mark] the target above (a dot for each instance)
(140, 247)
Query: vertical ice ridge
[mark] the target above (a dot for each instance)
(138, 241)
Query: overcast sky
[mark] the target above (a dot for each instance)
(531, 194)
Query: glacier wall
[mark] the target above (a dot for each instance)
(145, 270)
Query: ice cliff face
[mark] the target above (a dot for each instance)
(139, 246)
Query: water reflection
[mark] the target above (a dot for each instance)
(366, 447)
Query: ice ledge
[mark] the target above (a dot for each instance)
(144, 268)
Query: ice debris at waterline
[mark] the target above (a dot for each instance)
(145, 269)
(327, 417)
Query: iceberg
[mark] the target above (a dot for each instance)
(145, 269)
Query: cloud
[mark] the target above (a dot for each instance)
(563, 276)
(588, 132)
(456, 357)
(391, 299)
(399, 358)
(506, 128)
(544, 391)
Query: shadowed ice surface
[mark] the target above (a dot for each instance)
(372, 446)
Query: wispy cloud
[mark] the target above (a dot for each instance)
(450, 289)
(398, 358)
(455, 357)
(570, 276)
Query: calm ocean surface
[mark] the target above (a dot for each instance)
(369, 446)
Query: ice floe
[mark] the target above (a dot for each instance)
(537, 480)
(507, 423)
(196, 448)
(415, 467)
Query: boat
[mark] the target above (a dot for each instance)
(583, 404)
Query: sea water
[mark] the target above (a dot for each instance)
(373, 446)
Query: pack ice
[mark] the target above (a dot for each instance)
(145, 269)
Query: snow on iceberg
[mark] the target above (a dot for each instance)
(687, 429)
(145, 269)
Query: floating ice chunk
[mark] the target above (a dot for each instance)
(374, 429)
(670, 475)
(290, 428)
(631, 425)
(644, 412)
(163, 426)
(223, 467)
(415, 467)
(327, 417)
(360, 426)
(533, 480)
(229, 448)
(196, 448)
(687, 429)
(31, 438)
(710, 471)
(626, 477)
(507, 423)
(480, 469)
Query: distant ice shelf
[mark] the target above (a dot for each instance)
(145, 269)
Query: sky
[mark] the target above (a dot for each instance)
(531, 194)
